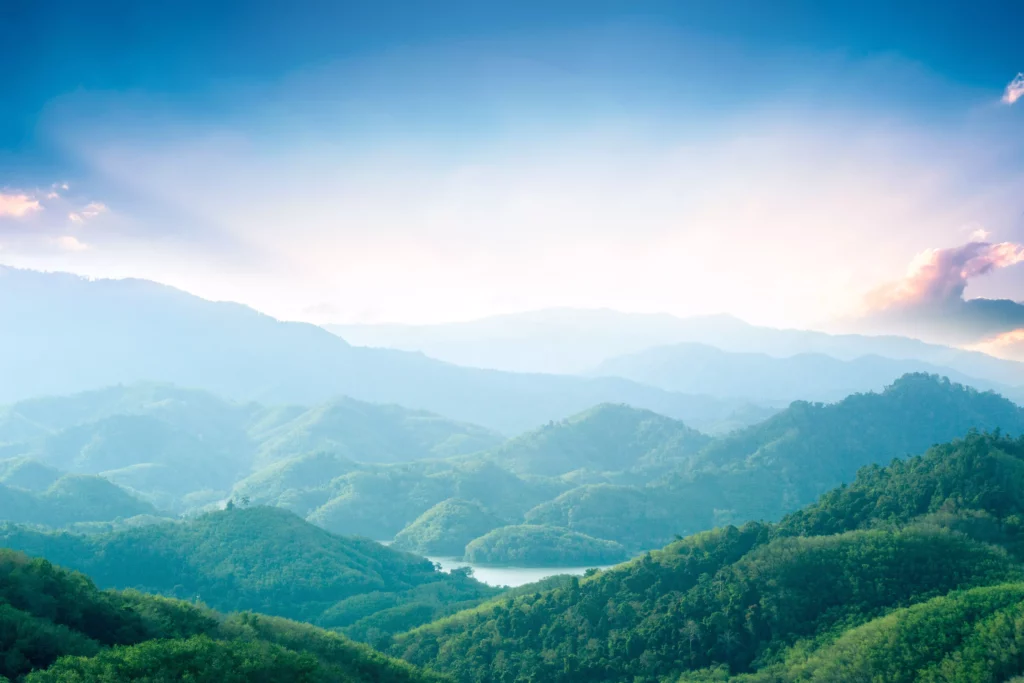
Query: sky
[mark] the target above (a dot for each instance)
(824, 164)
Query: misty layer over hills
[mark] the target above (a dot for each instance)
(578, 341)
(211, 454)
(69, 334)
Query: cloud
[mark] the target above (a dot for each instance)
(69, 243)
(929, 301)
(939, 276)
(18, 205)
(1015, 90)
(89, 211)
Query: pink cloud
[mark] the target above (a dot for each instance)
(1015, 90)
(1009, 345)
(17, 205)
(941, 275)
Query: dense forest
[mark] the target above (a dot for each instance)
(859, 577)
(614, 473)
(762, 580)
(55, 625)
(265, 560)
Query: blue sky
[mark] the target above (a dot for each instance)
(430, 161)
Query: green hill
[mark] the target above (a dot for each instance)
(56, 626)
(770, 469)
(446, 528)
(70, 499)
(811, 448)
(380, 502)
(371, 433)
(528, 545)
(261, 559)
(181, 449)
(763, 598)
(971, 635)
(605, 438)
(28, 473)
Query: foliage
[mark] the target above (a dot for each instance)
(50, 617)
(607, 437)
(446, 528)
(68, 500)
(529, 545)
(260, 559)
(771, 600)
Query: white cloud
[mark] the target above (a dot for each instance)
(69, 243)
(89, 211)
(1015, 90)
(18, 205)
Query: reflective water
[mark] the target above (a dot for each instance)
(507, 576)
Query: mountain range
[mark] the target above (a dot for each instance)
(73, 334)
(576, 341)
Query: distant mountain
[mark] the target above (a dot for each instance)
(58, 627)
(73, 334)
(576, 341)
(69, 499)
(368, 432)
(775, 467)
(181, 449)
(690, 368)
(262, 559)
(605, 438)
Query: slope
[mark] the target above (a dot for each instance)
(762, 596)
(68, 500)
(777, 466)
(133, 330)
(261, 559)
(605, 438)
(570, 340)
(56, 626)
(698, 368)
(367, 432)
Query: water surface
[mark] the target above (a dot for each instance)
(507, 576)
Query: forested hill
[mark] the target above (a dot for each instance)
(605, 438)
(57, 627)
(266, 560)
(776, 467)
(810, 448)
(764, 598)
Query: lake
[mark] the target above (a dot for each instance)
(507, 576)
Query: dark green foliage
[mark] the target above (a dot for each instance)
(810, 448)
(974, 480)
(51, 615)
(445, 529)
(379, 502)
(774, 598)
(528, 545)
(260, 559)
(773, 468)
(965, 637)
